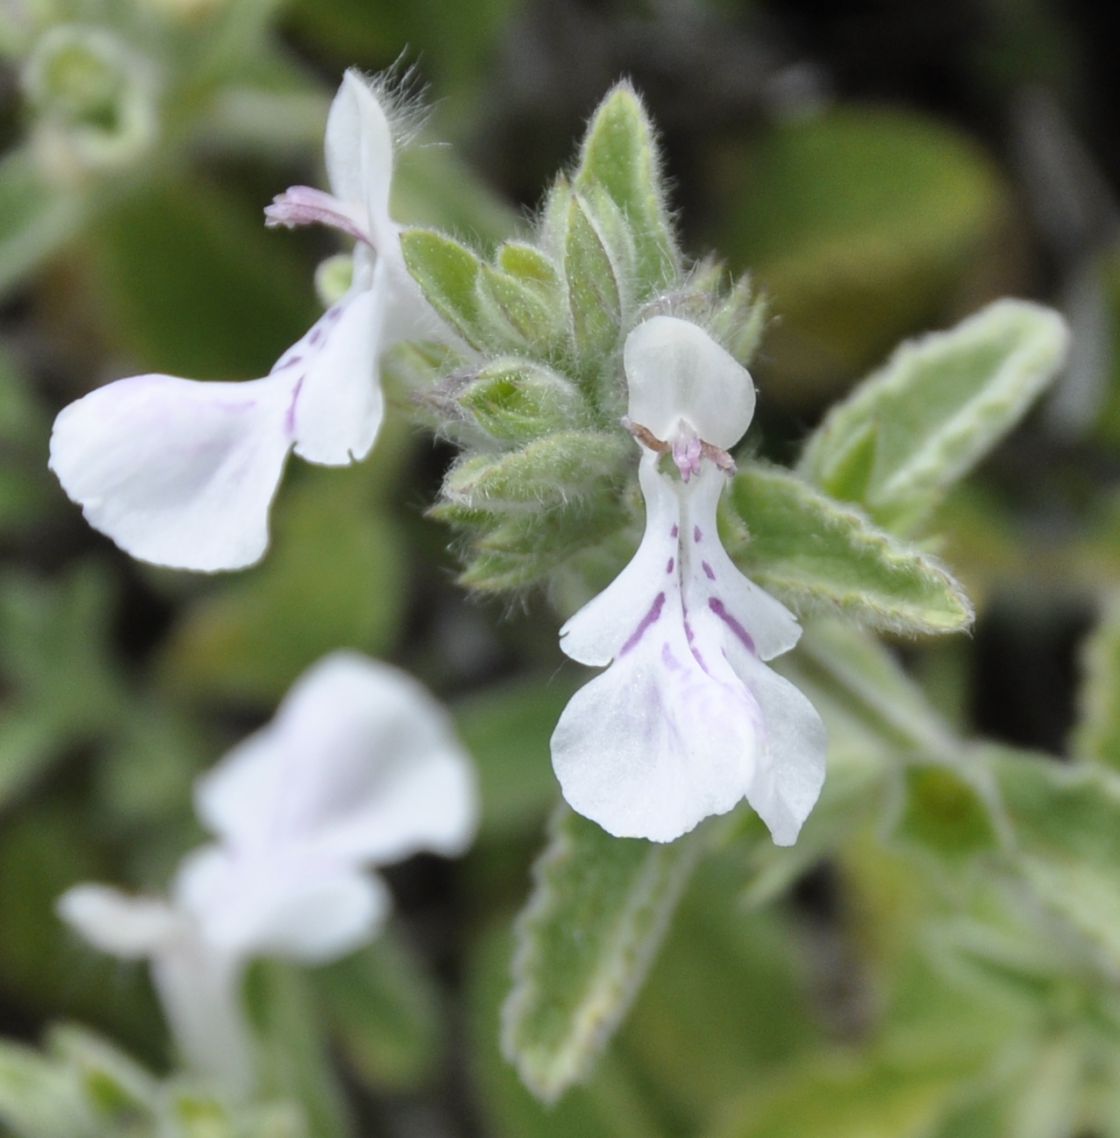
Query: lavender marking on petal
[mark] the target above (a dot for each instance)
(649, 619)
(672, 563)
(674, 531)
(290, 417)
(697, 536)
(315, 335)
(717, 606)
(709, 572)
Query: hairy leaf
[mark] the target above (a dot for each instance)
(818, 554)
(599, 910)
(935, 409)
(1098, 733)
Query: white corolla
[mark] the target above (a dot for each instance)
(687, 720)
(359, 768)
(180, 472)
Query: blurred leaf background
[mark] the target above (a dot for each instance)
(882, 170)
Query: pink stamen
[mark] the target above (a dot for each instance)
(304, 205)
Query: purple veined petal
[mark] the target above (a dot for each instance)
(675, 371)
(288, 902)
(360, 764)
(304, 205)
(122, 925)
(338, 405)
(713, 582)
(176, 471)
(791, 767)
(608, 623)
(658, 742)
(359, 151)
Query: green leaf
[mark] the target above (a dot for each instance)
(527, 317)
(383, 1011)
(599, 910)
(36, 218)
(947, 811)
(934, 410)
(447, 273)
(41, 1099)
(863, 225)
(115, 1085)
(1065, 821)
(189, 282)
(514, 400)
(334, 578)
(619, 154)
(546, 473)
(1097, 737)
(864, 1096)
(595, 290)
(815, 553)
(613, 1103)
(507, 730)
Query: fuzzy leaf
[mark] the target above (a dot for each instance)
(594, 288)
(548, 472)
(934, 410)
(599, 910)
(41, 1099)
(526, 315)
(619, 155)
(1098, 734)
(447, 274)
(514, 400)
(818, 554)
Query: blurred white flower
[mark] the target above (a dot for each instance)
(687, 720)
(180, 472)
(360, 767)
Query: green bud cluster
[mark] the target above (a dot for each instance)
(537, 396)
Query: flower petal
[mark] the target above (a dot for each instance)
(177, 472)
(360, 762)
(290, 903)
(359, 150)
(122, 925)
(712, 581)
(601, 629)
(791, 767)
(338, 404)
(675, 371)
(661, 740)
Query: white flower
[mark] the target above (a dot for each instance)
(182, 473)
(687, 720)
(359, 767)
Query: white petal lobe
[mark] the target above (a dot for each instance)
(676, 371)
(114, 922)
(177, 472)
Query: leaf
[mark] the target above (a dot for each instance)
(1097, 737)
(815, 553)
(613, 1103)
(547, 472)
(41, 1099)
(191, 283)
(934, 410)
(507, 729)
(595, 290)
(868, 1096)
(36, 218)
(599, 910)
(619, 154)
(947, 811)
(383, 1011)
(447, 273)
(1065, 822)
(334, 578)
(862, 225)
(515, 401)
